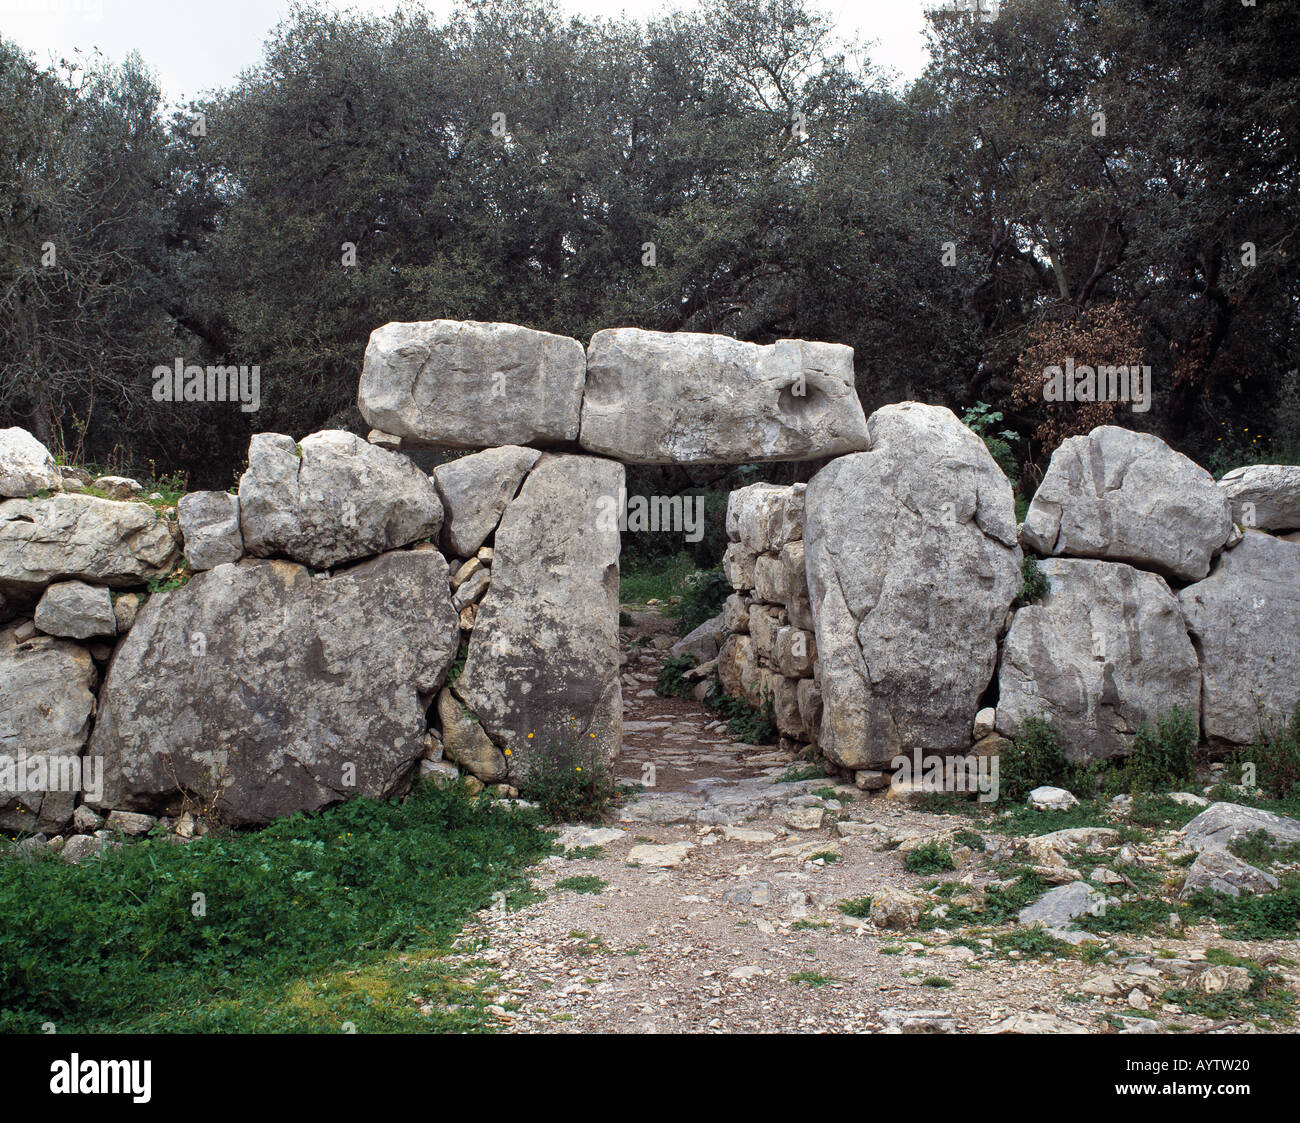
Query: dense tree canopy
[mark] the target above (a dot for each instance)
(1108, 178)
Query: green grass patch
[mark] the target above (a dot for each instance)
(1267, 916)
(301, 928)
(812, 979)
(661, 580)
(583, 883)
(930, 857)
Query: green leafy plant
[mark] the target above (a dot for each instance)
(755, 725)
(671, 681)
(1275, 756)
(929, 857)
(1034, 758)
(703, 599)
(583, 883)
(569, 778)
(981, 418)
(1163, 757)
(1034, 585)
(311, 921)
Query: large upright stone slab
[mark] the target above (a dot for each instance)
(333, 498)
(688, 398)
(269, 690)
(81, 537)
(543, 658)
(1129, 497)
(46, 704)
(912, 563)
(1104, 651)
(1266, 496)
(453, 384)
(475, 491)
(1245, 618)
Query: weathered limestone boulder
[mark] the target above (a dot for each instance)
(701, 642)
(1105, 651)
(464, 741)
(26, 465)
(475, 491)
(118, 487)
(209, 523)
(764, 620)
(756, 516)
(769, 579)
(1222, 823)
(912, 563)
(75, 610)
(1245, 619)
(1129, 497)
(273, 690)
(794, 652)
(333, 498)
(738, 669)
(794, 573)
(688, 398)
(1057, 909)
(452, 384)
(46, 703)
(1221, 872)
(81, 537)
(738, 565)
(1266, 496)
(124, 611)
(543, 658)
(735, 614)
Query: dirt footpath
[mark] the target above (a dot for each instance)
(716, 909)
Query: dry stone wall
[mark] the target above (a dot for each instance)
(769, 655)
(347, 622)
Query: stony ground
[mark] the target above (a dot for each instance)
(716, 909)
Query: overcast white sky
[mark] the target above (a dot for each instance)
(196, 45)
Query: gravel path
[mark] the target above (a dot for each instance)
(735, 927)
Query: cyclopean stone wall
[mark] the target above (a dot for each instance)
(346, 622)
(912, 564)
(770, 653)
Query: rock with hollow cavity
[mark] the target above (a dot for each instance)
(689, 398)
